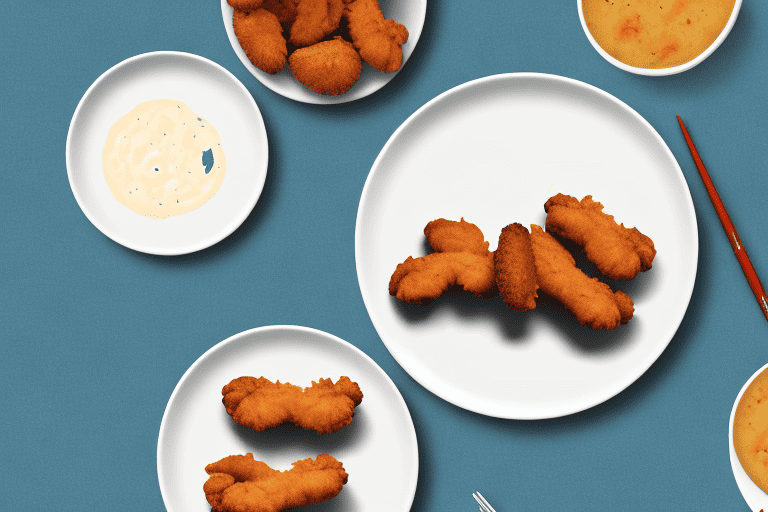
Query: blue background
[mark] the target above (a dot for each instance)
(84, 384)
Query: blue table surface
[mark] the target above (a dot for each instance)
(85, 385)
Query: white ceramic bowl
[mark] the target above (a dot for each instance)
(663, 71)
(410, 13)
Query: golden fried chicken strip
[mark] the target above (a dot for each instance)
(328, 67)
(618, 252)
(461, 257)
(451, 236)
(421, 280)
(315, 19)
(593, 302)
(324, 407)
(261, 36)
(378, 39)
(239, 483)
(515, 268)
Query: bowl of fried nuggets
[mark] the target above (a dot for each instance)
(528, 261)
(323, 51)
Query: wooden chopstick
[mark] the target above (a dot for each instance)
(730, 230)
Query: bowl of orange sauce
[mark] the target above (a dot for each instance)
(657, 37)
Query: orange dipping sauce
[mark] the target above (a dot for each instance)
(656, 33)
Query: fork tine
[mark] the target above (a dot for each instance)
(484, 503)
(482, 507)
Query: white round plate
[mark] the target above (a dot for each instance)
(378, 449)
(755, 497)
(493, 151)
(213, 93)
(410, 13)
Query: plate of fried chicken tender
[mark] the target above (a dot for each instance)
(234, 442)
(527, 261)
(239, 483)
(323, 51)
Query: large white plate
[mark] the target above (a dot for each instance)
(209, 90)
(378, 449)
(493, 151)
(755, 497)
(410, 13)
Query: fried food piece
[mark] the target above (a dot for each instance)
(618, 252)
(239, 483)
(285, 10)
(261, 36)
(422, 280)
(515, 268)
(324, 407)
(378, 39)
(315, 19)
(593, 302)
(461, 257)
(451, 236)
(245, 5)
(329, 67)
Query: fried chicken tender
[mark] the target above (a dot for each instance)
(422, 280)
(315, 19)
(239, 483)
(261, 36)
(285, 10)
(328, 67)
(324, 407)
(593, 302)
(245, 5)
(451, 236)
(378, 39)
(618, 252)
(515, 268)
(461, 257)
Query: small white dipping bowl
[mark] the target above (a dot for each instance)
(663, 71)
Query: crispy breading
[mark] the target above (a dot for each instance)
(315, 19)
(245, 5)
(451, 236)
(378, 39)
(515, 268)
(618, 252)
(328, 67)
(261, 36)
(324, 407)
(239, 483)
(285, 10)
(593, 302)
(421, 280)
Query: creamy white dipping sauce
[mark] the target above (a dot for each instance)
(161, 159)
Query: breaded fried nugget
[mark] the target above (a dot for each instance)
(261, 36)
(239, 483)
(593, 302)
(315, 19)
(324, 407)
(451, 236)
(618, 252)
(285, 10)
(328, 67)
(245, 5)
(515, 268)
(422, 280)
(461, 257)
(378, 39)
